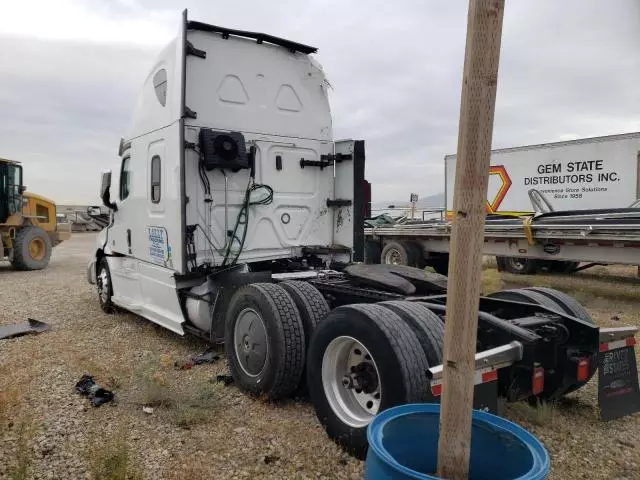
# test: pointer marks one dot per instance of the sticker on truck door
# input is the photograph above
(158, 246)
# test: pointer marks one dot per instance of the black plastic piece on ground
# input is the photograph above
(97, 395)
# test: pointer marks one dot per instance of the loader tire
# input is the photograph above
(426, 326)
(372, 343)
(31, 249)
(264, 340)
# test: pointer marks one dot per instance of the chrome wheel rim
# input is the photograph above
(351, 381)
(393, 257)
(518, 263)
(103, 285)
(250, 340)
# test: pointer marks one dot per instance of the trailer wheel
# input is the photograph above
(31, 248)
(517, 265)
(104, 286)
(401, 253)
(264, 340)
(426, 325)
(362, 360)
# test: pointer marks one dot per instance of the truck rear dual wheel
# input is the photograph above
(365, 358)
(517, 265)
(265, 340)
(31, 248)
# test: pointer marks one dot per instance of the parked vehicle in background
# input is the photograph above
(29, 227)
(589, 173)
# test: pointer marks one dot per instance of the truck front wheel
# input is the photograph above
(104, 286)
(362, 360)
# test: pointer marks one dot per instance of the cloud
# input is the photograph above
(70, 70)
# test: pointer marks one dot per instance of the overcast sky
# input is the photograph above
(70, 70)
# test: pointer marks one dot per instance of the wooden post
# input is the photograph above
(484, 31)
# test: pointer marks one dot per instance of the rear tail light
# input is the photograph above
(537, 380)
(582, 373)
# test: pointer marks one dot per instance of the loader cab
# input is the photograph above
(11, 189)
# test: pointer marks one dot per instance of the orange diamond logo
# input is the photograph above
(504, 185)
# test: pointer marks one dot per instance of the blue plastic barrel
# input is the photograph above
(403, 444)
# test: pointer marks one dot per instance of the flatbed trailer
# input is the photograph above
(556, 240)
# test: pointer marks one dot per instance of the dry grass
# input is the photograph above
(541, 414)
(186, 405)
(22, 462)
(114, 459)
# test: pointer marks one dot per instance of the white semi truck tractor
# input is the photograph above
(237, 217)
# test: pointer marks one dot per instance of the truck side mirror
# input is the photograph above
(23, 188)
(105, 191)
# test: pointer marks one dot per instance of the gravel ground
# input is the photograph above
(48, 431)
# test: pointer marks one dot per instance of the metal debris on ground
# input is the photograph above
(30, 327)
(97, 395)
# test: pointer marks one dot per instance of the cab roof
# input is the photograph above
(11, 162)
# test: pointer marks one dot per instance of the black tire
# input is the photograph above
(372, 252)
(398, 356)
(518, 266)
(283, 335)
(312, 306)
(527, 296)
(426, 325)
(568, 304)
(104, 286)
(405, 253)
(23, 257)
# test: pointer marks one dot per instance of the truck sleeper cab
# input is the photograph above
(238, 218)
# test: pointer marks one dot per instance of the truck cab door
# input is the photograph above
(124, 265)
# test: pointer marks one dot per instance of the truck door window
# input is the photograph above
(14, 183)
(156, 174)
(125, 178)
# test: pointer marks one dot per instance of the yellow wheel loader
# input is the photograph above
(28, 226)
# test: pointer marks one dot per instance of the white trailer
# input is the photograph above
(590, 173)
(238, 218)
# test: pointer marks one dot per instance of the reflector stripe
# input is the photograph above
(485, 375)
(626, 342)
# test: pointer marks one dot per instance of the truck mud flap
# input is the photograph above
(618, 390)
